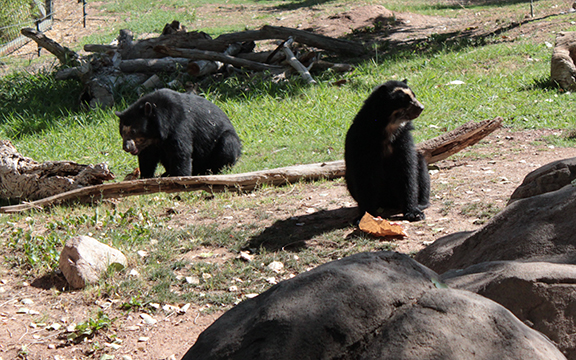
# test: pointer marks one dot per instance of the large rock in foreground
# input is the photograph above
(550, 177)
(84, 259)
(369, 306)
(540, 293)
(538, 228)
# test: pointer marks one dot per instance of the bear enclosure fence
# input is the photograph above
(17, 14)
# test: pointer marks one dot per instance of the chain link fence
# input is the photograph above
(18, 14)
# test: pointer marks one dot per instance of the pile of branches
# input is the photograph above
(176, 50)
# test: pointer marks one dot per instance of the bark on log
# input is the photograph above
(167, 64)
(194, 54)
(22, 178)
(445, 145)
(268, 32)
(98, 48)
(291, 59)
(433, 150)
(145, 49)
(213, 183)
(65, 55)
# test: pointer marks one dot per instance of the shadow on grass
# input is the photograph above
(34, 102)
(293, 233)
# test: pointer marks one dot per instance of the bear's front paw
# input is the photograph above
(415, 215)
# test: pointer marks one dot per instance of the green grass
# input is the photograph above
(280, 124)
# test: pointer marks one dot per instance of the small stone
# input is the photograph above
(143, 339)
(27, 301)
(142, 253)
(193, 280)
(148, 319)
(134, 272)
(113, 346)
(233, 288)
(22, 310)
(184, 308)
(276, 266)
(54, 326)
(154, 305)
(206, 276)
(245, 255)
(51, 346)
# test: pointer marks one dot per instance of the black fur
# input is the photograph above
(186, 133)
(384, 172)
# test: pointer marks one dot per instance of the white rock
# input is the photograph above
(148, 319)
(276, 266)
(84, 259)
(27, 301)
(184, 308)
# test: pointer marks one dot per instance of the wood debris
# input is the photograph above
(177, 51)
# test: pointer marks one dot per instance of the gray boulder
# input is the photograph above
(550, 177)
(538, 228)
(369, 306)
(538, 293)
(83, 260)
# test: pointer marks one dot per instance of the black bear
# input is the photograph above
(186, 133)
(384, 172)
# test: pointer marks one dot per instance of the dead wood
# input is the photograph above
(445, 145)
(98, 48)
(194, 54)
(212, 183)
(65, 55)
(22, 178)
(167, 64)
(268, 32)
(291, 59)
(145, 49)
(433, 150)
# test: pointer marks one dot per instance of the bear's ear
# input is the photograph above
(148, 109)
(405, 81)
(118, 113)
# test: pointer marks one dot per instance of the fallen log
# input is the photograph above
(167, 64)
(291, 59)
(445, 145)
(65, 55)
(268, 32)
(433, 150)
(194, 54)
(212, 183)
(24, 178)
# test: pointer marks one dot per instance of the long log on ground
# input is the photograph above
(167, 64)
(65, 55)
(194, 54)
(213, 183)
(434, 150)
(268, 32)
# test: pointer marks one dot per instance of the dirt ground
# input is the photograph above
(485, 174)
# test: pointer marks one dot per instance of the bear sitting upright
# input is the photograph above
(186, 133)
(384, 172)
